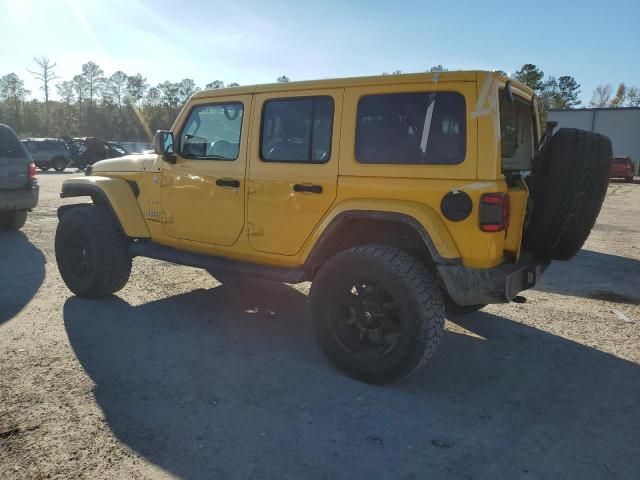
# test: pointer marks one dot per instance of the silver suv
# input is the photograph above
(48, 153)
(18, 185)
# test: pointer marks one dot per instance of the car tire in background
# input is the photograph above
(59, 164)
(43, 168)
(92, 252)
(13, 220)
(570, 182)
(377, 312)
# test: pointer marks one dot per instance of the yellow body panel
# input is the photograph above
(280, 218)
(193, 206)
(122, 200)
(265, 221)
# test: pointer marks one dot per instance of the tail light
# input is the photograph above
(32, 173)
(494, 212)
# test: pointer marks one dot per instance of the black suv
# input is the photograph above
(48, 153)
(86, 151)
(18, 185)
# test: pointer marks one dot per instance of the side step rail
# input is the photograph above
(146, 248)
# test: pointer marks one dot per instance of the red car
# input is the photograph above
(622, 167)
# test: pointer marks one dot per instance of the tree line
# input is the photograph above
(118, 106)
(562, 92)
(126, 107)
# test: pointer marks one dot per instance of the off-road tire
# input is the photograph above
(570, 183)
(59, 164)
(12, 220)
(108, 246)
(410, 284)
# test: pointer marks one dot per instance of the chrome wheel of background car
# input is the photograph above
(365, 321)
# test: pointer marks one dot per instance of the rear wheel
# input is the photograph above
(92, 253)
(59, 164)
(377, 312)
(13, 220)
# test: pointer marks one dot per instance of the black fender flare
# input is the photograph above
(314, 258)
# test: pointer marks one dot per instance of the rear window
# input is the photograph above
(10, 146)
(411, 128)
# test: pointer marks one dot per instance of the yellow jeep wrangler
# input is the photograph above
(394, 195)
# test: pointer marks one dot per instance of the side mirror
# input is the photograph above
(163, 145)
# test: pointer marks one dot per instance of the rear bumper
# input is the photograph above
(473, 286)
(19, 199)
(626, 173)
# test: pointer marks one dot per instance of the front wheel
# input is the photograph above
(377, 312)
(59, 164)
(92, 252)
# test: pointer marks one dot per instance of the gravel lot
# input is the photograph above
(179, 376)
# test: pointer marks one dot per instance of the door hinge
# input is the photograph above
(253, 187)
(166, 218)
(255, 230)
(166, 180)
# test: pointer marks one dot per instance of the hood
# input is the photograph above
(128, 163)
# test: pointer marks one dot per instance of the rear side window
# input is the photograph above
(10, 145)
(411, 128)
(297, 130)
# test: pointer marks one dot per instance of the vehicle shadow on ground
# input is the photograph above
(228, 383)
(595, 275)
(22, 271)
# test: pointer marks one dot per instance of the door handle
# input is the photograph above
(228, 182)
(301, 187)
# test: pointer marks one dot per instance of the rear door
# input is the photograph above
(14, 161)
(293, 166)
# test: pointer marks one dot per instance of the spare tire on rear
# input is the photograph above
(569, 184)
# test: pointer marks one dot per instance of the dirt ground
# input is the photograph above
(179, 376)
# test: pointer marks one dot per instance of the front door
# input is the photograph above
(293, 169)
(203, 192)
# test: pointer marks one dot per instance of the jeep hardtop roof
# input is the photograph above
(430, 77)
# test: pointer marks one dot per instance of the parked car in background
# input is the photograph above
(18, 184)
(48, 153)
(86, 151)
(622, 167)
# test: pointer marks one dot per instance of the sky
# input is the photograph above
(257, 41)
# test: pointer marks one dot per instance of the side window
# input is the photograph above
(411, 128)
(212, 132)
(516, 133)
(297, 130)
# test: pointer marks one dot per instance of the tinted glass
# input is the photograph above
(212, 132)
(10, 145)
(297, 130)
(411, 128)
